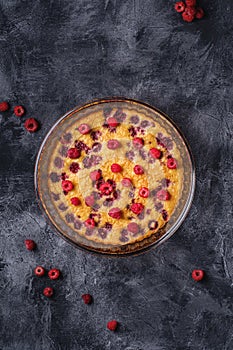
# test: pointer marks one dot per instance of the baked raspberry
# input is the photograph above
(74, 167)
(30, 244)
(95, 175)
(84, 129)
(112, 325)
(112, 122)
(75, 201)
(54, 274)
(137, 208)
(31, 125)
(106, 188)
(48, 292)
(90, 200)
(191, 3)
(179, 6)
(155, 153)
(67, 185)
(19, 111)
(4, 106)
(163, 195)
(138, 169)
(90, 223)
(39, 271)
(115, 213)
(198, 275)
(138, 142)
(133, 227)
(116, 168)
(126, 182)
(189, 14)
(199, 13)
(87, 298)
(113, 144)
(171, 163)
(144, 192)
(73, 153)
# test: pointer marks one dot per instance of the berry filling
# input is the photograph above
(171, 163)
(116, 168)
(112, 122)
(90, 223)
(73, 153)
(137, 208)
(138, 170)
(163, 195)
(84, 129)
(74, 167)
(138, 142)
(113, 144)
(115, 213)
(126, 182)
(90, 200)
(75, 201)
(144, 192)
(95, 175)
(106, 188)
(155, 153)
(67, 185)
(133, 227)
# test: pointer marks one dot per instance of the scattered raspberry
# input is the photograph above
(163, 195)
(19, 111)
(137, 208)
(73, 153)
(112, 325)
(138, 142)
(198, 275)
(126, 182)
(113, 144)
(106, 188)
(115, 213)
(144, 192)
(39, 271)
(112, 122)
(30, 244)
(179, 6)
(4, 106)
(138, 169)
(75, 201)
(116, 168)
(189, 14)
(90, 200)
(191, 3)
(74, 167)
(84, 129)
(54, 274)
(90, 223)
(171, 163)
(48, 292)
(67, 185)
(155, 153)
(95, 175)
(133, 227)
(87, 298)
(31, 125)
(199, 13)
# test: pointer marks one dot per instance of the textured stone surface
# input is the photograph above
(57, 54)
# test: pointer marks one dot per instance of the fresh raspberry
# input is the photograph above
(155, 153)
(171, 163)
(163, 195)
(4, 106)
(95, 175)
(199, 13)
(30, 244)
(84, 129)
(39, 271)
(19, 111)
(112, 122)
(87, 298)
(112, 325)
(90, 223)
(189, 14)
(179, 6)
(106, 188)
(137, 208)
(115, 213)
(191, 3)
(75, 201)
(48, 292)
(54, 274)
(198, 275)
(113, 144)
(144, 192)
(138, 142)
(90, 200)
(133, 227)
(73, 153)
(67, 185)
(126, 182)
(31, 125)
(138, 169)
(116, 168)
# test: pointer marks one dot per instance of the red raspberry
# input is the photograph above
(4, 106)
(126, 182)
(144, 192)
(116, 168)
(95, 175)
(75, 201)
(112, 325)
(30, 244)
(179, 6)
(137, 208)
(112, 122)
(54, 274)
(155, 153)
(113, 144)
(163, 195)
(90, 223)
(39, 271)
(87, 298)
(199, 13)
(31, 125)
(73, 153)
(90, 200)
(74, 167)
(133, 227)
(198, 275)
(19, 111)
(67, 185)
(48, 292)
(171, 163)
(115, 213)
(191, 3)
(189, 14)
(84, 129)
(138, 169)
(106, 188)
(138, 142)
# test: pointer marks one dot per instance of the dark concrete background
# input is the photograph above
(56, 54)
